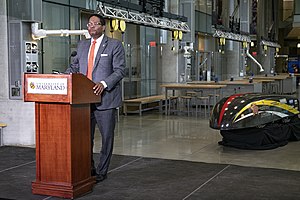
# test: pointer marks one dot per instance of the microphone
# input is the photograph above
(74, 53)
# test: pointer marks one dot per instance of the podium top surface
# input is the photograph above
(62, 88)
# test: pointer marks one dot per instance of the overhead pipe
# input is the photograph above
(201, 64)
(199, 67)
(250, 56)
(41, 33)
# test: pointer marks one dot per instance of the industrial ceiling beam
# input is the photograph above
(231, 36)
(142, 18)
(270, 44)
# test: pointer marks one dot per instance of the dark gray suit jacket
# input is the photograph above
(109, 66)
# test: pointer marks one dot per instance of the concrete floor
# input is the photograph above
(155, 135)
(189, 138)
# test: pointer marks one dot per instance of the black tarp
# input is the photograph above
(270, 136)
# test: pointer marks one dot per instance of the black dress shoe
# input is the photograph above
(100, 178)
(93, 172)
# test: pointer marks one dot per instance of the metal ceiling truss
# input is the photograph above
(232, 36)
(142, 18)
(242, 38)
(270, 44)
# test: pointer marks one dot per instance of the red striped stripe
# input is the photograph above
(225, 105)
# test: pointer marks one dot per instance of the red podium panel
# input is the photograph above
(63, 143)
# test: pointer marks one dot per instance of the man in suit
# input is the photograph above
(102, 59)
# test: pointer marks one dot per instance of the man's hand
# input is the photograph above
(98, 88)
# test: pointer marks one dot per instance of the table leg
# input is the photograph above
(215, 97)
(166, 101)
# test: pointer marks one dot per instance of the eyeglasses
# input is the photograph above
(90, 24)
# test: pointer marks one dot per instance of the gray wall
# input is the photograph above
(18, 116)
(4, 52)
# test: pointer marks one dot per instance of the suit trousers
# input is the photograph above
(105, 120)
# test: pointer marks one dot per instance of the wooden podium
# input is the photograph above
(63, 143)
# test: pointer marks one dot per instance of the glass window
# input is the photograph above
(141, 61)
(202, 22)
(204, 6)
(209, 7)
(149, 60)
(74, 25)
(59, 1)
(200, 5)
(134, 1)
(55, 48)
(79, 3)
(288, 8)
(297, 7)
